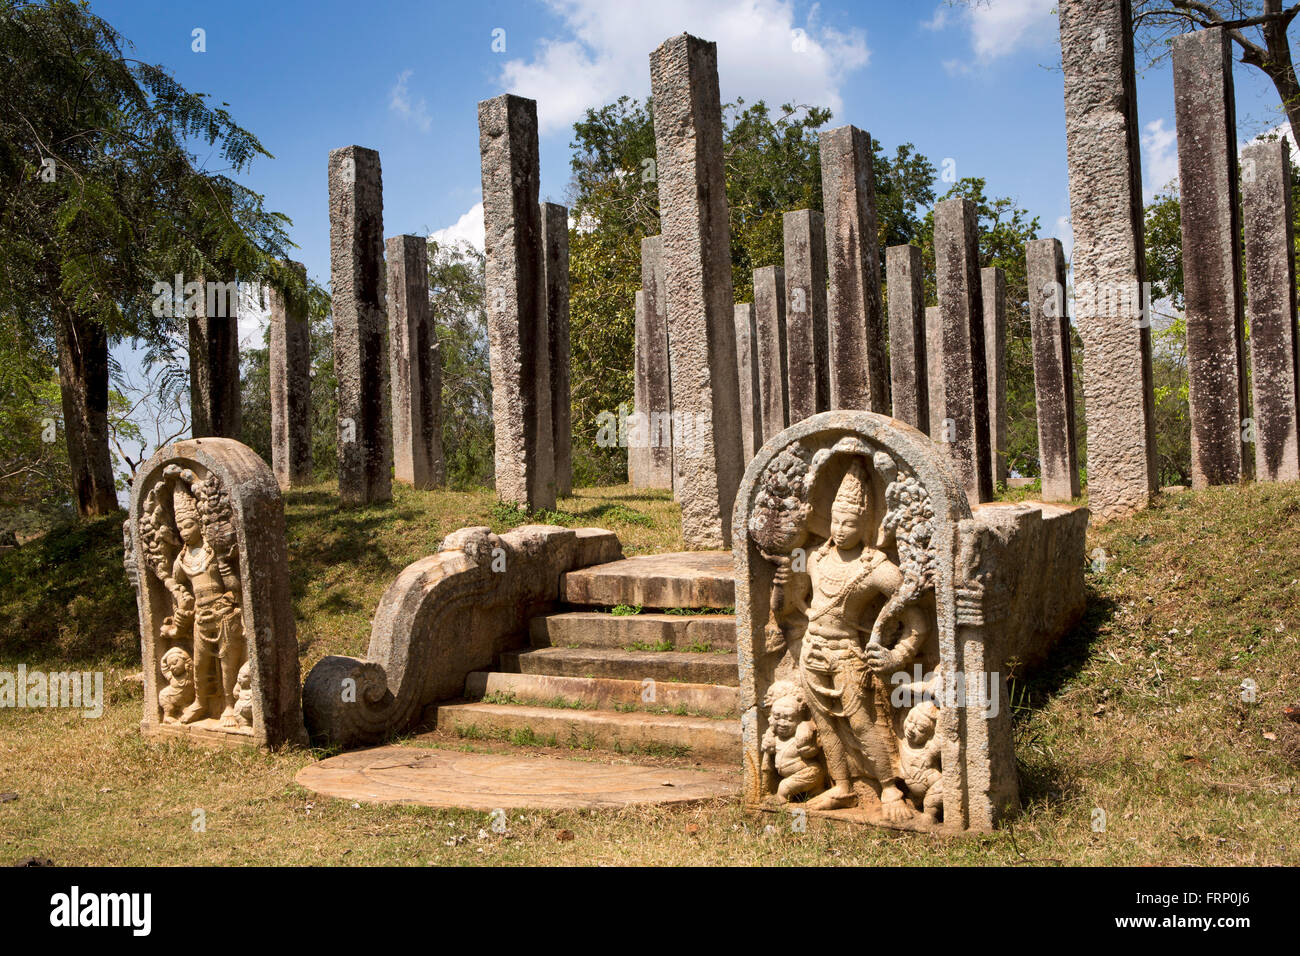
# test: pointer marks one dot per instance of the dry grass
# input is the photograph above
(1145, 724)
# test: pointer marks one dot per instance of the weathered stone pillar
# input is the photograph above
(1207, 176)
(769, 329)
(993, 287)
(965, 375)
(751, 410)
(360, 357)
(291, 410)
(555, 284)
(859, 376)
(518, 341)
(214, 362)
(1049, 324)
(653, 385)
(1270, 282)
(415, 367)
(697, 274)
(808, 388)
(908, 374)
(1102, 136)
(934, 371)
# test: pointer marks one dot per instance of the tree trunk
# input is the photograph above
(83, 381)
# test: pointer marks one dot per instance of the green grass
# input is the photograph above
(1139, 713)
(625, 610)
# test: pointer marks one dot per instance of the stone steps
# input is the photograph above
(685, 579)
(624, 732)
(685, 666)
(598, 629)
(605, 693)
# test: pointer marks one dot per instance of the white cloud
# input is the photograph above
(467, 229)
(1284, 131)
(1000, 27)
(939, 20)
(1160, 157)
(1065, 232)
(399, 102)
(603, 52)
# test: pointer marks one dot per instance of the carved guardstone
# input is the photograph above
(875, 615)
(217, 640)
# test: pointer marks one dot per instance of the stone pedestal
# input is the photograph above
(1207, 177)
(1049, 325)
(697, 272)
(908, 372)
(751, 409)
(214, 362)
(934, 373)
(769, 332)
(291, 411)
(555, 285)
(858, 365)
(1270, 281)
(965, 375)
(651, 466)
(808, 388)
(993, 286)
(1102, 137)
(518, 339)
(415, 368)
(360, 353)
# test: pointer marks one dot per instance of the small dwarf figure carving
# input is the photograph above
(244, 697)
(178, 668)
(791, 742)
(919, 756)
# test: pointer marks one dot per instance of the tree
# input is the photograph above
(103, 198)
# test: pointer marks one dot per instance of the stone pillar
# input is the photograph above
(751, 411)
(414, 364)
(1049, 325)
(908, 374)
(808, 387)
(697, 275)
(555, 294)
(965, 375)
(769, 337)
(1207, 176)
(934, 371)
(214, 362)
(993, 287)
(858, 372)
(1102, 137)
(518, 342)
(291, 410)
(653, 396)
(360, 357)
(1270, 281)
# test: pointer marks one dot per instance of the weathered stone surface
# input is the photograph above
(858, 371)
(601, 629)
(965, 374)
(1102, 142)
(652, 399)
(214, 362)
(1049, 324)
(1270, 282)
(693, 579)
(1207, 176)
(908, 371)
(291, 412)
(769, 338)
(875, 616)
(555, 295)
(934, 371)
(697, 273)
(993, 288)
(360, 354)
(808, 388)
(415, 366)
(217, 637)
(606, 693)
(751, 408)
(518, 339)
(487, 782)
(446, 616)
(619, 663)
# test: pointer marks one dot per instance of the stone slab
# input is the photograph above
(1049, 324)
(693, 667)
(695, 579)
(908, 372)
(599, 629)
(808, 358)
(770, 342)
(486, 782)
(751, 408)
(606, 692)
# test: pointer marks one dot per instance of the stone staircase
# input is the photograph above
(661, 681)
